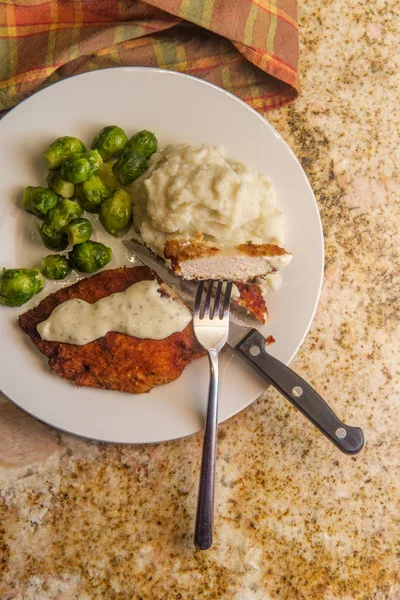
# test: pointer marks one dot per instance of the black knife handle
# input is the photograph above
(251, 348)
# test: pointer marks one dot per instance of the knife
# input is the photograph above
(249, 344)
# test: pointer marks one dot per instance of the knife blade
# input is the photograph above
(249, 344)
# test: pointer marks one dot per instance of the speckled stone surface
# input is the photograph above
(295, 519)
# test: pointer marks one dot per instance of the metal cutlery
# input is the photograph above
(249, 344)
(210, 326)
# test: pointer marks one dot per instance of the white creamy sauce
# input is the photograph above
(273, 281)
(139, 311)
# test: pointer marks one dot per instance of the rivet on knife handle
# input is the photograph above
(252, 349)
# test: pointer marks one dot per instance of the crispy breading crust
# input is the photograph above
(261, 249)
(179, 250)
(252, 300)
(115, 361)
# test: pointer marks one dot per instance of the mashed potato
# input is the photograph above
(189, 190)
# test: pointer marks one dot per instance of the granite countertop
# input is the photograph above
(295, 519)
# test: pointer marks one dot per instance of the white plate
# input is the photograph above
(178, 108)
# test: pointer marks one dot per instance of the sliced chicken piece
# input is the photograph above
(196, 259)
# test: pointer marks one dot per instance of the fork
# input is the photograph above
(211, 327)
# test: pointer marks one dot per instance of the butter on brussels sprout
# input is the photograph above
(110, 141)
(39, 200)
(129, 166)
(55, 266)
(17, 286)
(144, 142)
(90, 256)
(61, 149)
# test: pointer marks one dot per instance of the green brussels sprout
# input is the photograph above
(53, 231)
(17, 286)
(116, 211)
(91, 193)
(81, 166)
(61, 149)
(144, 142)
(89, 256)
(110, 141)
(54, 240)
(129, 166)
(76, 168)
(107, 176)
(94, 157)
(39, 200)
(66, 211)
(55, 266)
(59, 185)
(78, 231)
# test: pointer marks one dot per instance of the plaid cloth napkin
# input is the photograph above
(249, 47)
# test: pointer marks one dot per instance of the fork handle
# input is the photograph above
(251, 348)
(203, 536)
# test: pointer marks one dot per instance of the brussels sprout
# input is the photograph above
(76, 168)
(94, 157)
(116, 211)
(39, 200)
(66, 211)
(53, 229)
(89, 256)
(110, 141)
(107, 176)
(61, 149)
(81, 166)
(130, 166)
(144, 142)
(59, 185)
(78, 231)
(55, 266)
(91, 193)
(17, 286)
(54, 240)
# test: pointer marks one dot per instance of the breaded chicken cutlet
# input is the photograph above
(115, 361)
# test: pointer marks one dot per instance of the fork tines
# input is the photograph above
(209, 301)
